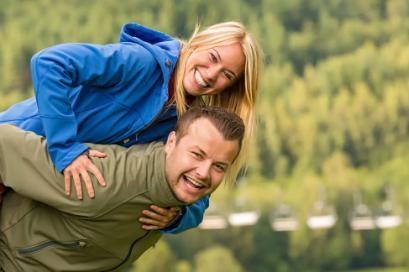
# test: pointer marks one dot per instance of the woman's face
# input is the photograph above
(210, 71)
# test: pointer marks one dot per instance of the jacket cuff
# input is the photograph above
(66, 159)
(175, 222)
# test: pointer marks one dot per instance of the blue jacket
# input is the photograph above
(114, 93)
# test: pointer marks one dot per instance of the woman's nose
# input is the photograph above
(212, 73)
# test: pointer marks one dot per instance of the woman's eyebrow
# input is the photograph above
(220, 59)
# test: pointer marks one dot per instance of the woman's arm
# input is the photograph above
(59, 70)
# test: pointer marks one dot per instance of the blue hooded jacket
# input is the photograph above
(105, 94)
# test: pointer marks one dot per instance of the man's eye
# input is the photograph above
(197, 155)
(220, 168)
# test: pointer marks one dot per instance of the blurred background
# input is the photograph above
(326, 187)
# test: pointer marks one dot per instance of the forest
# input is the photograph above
(332, 133)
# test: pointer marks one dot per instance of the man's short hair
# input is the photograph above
(229, 124)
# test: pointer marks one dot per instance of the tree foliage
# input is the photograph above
(333, 113)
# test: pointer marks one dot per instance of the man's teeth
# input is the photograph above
(196, 183)
(200, 80)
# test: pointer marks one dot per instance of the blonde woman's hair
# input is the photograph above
(239, 98)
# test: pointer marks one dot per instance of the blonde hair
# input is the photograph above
(239, 98)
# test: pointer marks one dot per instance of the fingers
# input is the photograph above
(169, 212)
(150, 224)
(157, 217)
(95, 171)
(77, 185)
(97, 154)
(159, 210)
(88, 184)
(67, 182)
(77, 170)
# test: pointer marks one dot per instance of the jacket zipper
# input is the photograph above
(37, 248)
(129, 253)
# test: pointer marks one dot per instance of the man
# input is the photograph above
(44, 230)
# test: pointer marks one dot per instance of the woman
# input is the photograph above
(131, 92)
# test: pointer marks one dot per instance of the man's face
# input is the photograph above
(197, 163)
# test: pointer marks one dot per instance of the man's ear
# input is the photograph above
(171, 141)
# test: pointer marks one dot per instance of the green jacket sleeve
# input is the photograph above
(26, 167)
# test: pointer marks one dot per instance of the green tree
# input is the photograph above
(218, 259)
(159, 258)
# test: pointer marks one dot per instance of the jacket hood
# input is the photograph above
(164, 47)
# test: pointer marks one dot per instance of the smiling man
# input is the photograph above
(198, 156)
(41, 229)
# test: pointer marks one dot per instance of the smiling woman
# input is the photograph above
(210, 71)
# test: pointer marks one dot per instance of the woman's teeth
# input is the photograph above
(200, 80)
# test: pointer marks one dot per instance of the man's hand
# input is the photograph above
(81, 166)
(158, 218)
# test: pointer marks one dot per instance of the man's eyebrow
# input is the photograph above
(203, 153)
(220, 59)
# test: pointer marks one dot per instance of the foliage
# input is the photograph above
(333, 114)
(217, 259)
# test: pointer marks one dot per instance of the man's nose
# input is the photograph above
(203, 170)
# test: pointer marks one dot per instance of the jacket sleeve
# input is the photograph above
(26, 168)
(58, 71)
(191, 217)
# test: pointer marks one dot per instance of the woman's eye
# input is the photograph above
(213, 57)
(228, 76)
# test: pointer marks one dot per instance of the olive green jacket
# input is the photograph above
(42, 229)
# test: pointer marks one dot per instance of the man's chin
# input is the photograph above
(187, 194)
(187, 199)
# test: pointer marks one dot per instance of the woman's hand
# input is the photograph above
(81, 166)
(158, 218)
